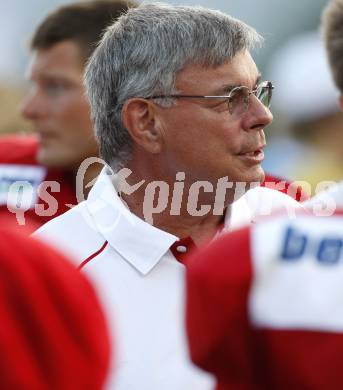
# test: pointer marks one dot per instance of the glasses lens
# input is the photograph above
(239, 100)
(264, 93)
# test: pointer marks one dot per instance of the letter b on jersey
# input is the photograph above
(294, 245)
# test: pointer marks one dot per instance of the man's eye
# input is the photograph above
(235, 96)
(221, 104)
(53, 88)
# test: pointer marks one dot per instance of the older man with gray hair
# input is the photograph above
(179, 110)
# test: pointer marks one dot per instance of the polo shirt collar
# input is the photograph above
(138, 242)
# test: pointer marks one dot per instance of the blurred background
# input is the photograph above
(305, 138)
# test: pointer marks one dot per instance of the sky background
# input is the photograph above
(276, 20)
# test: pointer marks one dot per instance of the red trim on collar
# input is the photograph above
(188, 244)
(182, 248)
(91, 257)
(338, 212)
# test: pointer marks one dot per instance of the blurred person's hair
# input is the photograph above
(332, 29)
(140, 55)
(83, 23)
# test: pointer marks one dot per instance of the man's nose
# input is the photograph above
(33, 106)
(259, 116)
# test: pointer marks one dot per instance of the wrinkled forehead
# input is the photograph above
(240, 70)
(62, 58)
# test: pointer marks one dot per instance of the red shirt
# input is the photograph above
(39, 201)
(53, 333)
(290, 188)
(264, 306)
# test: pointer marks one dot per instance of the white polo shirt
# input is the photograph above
(140, 283)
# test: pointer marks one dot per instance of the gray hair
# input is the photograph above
(141, 54)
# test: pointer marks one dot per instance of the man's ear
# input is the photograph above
(340, 100)
(140, 119)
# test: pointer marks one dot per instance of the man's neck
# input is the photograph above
(200, 229)
(88, 178)
(165, 211)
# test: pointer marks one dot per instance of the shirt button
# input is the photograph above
(181, 249)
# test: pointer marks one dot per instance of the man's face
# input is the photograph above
(57, 106)
(202, 138)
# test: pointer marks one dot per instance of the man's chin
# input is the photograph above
(51, 160)
(261, 176)
(255, 177)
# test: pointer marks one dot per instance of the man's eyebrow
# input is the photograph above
(225, 89)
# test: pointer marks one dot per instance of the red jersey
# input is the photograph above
(265, 306)
(53, 332)
(290, 188)
(27, 189)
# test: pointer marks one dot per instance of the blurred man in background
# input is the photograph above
(264, 303)
(59, 111)
(306, 140)
(333, 38)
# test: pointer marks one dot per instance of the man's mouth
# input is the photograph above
(254, 153)
(45, 135)
(255, 156)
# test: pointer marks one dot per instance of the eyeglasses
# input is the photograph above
(238, 99)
